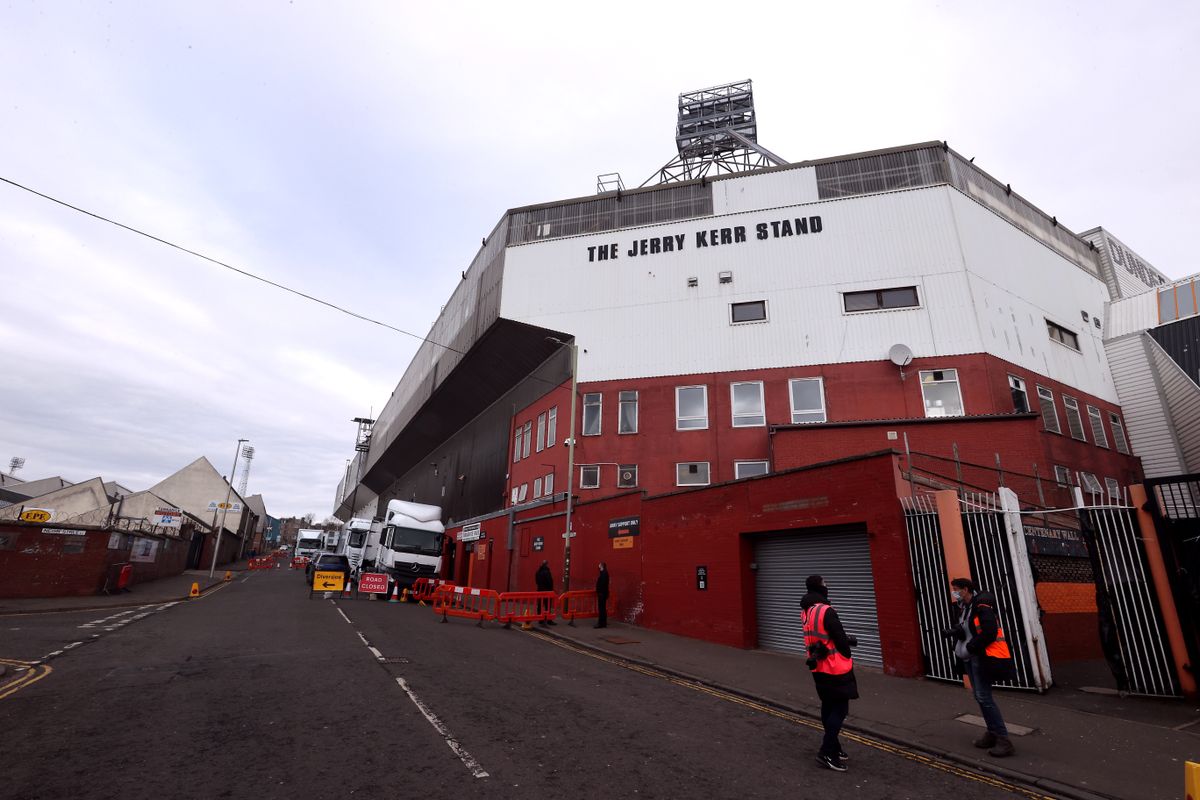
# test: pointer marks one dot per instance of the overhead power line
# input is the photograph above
(230, 267)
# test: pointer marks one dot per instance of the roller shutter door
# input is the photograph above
(844, 559)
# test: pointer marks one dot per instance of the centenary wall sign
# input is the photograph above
(710, 237)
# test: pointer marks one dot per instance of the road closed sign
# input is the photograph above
(373, 583)
(328, 581)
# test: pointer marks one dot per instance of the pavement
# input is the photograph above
(162, 590)
(1081, 745)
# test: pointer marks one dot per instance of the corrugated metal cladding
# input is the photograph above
(1183, 403)
(1132, 274)
(1132, 314)
(1143, 406)
(764, 190)
(843, 558)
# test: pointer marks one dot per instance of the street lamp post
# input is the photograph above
(217, 549)
(568, 534)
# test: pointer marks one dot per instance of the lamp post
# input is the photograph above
(568, 534)
(229, 489)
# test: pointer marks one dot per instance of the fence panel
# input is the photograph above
(932, 585)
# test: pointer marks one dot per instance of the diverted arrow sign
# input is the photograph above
(328, 581)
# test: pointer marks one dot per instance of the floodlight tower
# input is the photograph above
(716, 133)
(14, 464)
(248, 455)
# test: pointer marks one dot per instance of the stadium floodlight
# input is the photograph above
(716, 132)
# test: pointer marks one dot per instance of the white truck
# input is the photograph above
(362, 543)
(308, 543)
(412, 544)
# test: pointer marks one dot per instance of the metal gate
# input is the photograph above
(931, 584)
(844, 559)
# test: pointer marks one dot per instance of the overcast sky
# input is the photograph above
(359, 152)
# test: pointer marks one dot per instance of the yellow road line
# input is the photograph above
(886, 747)
(15, 662)
(35, 675)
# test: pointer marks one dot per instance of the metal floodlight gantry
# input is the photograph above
(716, 133)
(363, 443)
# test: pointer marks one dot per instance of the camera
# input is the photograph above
(954, 633)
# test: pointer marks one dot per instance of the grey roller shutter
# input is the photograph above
(844, 559)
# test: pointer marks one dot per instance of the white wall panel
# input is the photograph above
(1143, 406)
(1016, 285)
(1133, 314)
(636, 316)
(770, 190)
(1130, 273)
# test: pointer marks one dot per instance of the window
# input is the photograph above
(1074, 421)
(1061, 335)
(748, 469)
(73, 544)
(1114, 490)
(881, 299)
(552, 427)
(1049, 411)
(516, 493)
(537, 488)
(524, 492)
(747, 401)
(589, 477)
(1020, 396)
(528, 440)
(808, 399)
(627, 419)
(694, 473)
(517, 437)
(1062, 475)
(548, 484)
(1090, 484)
(939, 387)
(1118, 434)
(1097, 427)
(691, 407)
(627, 476)
(541, 432)
(591, 414)
(748, 312)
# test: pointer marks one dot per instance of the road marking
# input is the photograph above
(343, 613)
(886, 747)
(466, 758)
(35, 674)
(16, 662)
(95, 622)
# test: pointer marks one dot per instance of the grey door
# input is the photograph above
(844, 559)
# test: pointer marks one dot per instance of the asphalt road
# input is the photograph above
(256, 691)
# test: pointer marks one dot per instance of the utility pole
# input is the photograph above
(229, 489)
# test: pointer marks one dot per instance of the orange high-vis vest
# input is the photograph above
(998, 648)
(814, 631)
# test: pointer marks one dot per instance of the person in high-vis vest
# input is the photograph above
(981, 647)
(832, 668)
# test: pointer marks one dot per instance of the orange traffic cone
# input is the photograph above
(228, 575)
(195, 592)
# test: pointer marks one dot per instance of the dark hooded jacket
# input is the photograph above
(832, 687)
(602, 584)
(983, 608)
(544, 579)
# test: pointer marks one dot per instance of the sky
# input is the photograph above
(359, 152)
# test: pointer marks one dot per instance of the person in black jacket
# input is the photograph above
(545, 583)
(835, 689)
(981, 647)
(602, 596)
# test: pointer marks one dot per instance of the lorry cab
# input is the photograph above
(308, 543)
(413, 542)
(362, 543)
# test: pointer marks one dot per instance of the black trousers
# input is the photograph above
(602, 602)
(833, 716)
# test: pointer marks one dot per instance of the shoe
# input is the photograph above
(842, 755)
(831, 762)
(599, 626)
(987, 740)
(551, 622)
(1003, 749)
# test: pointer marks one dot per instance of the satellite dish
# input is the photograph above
(901, 355)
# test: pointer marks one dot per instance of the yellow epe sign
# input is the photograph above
(35, 515)
(328, 581)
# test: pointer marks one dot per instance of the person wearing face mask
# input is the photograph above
(981, 647)
(832, 668)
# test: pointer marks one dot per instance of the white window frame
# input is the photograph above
(1091, 484)
(518, 437)
(585, 469)
(1059, 333)
(528, 439)
(551, 426)
(762, 406)
(1121, 440)
(707, 471)
(1070, 404)
(765, 317)
(678, 419)
(622, 399)
(1047, 396)
(795, 411)
(1016, 384)
(737, 468)
(957, 385)
(541, 432)
(548, 485)
(1097, 422)
(1113, 486)
(880, 308)
(1062, 476)
(599, 406)
(516, 492)
(621, 470)
(537, 488)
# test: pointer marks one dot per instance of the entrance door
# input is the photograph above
(844, 559)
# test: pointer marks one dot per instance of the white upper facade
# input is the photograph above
(984, 286)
